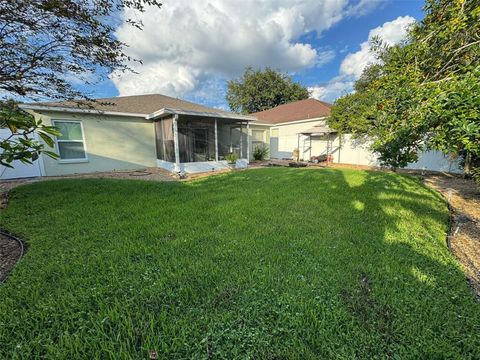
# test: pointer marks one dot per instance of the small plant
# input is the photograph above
(261, 152)
(231, 158)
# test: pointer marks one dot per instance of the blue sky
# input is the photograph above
(191, 49)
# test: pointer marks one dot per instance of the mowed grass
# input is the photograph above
(265, 264)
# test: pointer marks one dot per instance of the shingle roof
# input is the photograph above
(137, 104)
(297, 110)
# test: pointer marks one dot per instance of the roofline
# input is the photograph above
(300, 121)
(152, 116)
(73, 110)
(263, 124)
(170, 111)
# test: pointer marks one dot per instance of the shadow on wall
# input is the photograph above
(275, 152)
(96, 163)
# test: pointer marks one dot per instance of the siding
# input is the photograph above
(112, 143)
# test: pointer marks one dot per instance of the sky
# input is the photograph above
(191, 48)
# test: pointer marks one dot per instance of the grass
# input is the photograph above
(267, 263)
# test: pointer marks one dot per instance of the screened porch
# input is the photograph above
(190, 143)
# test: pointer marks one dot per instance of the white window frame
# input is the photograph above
(59, 140)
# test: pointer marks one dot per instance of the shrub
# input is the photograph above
(231, 158)
(260, 152)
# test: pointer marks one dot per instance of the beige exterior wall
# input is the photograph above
(284, 139)
(112, 143)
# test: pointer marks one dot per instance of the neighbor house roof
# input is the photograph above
(148, 106)
(294, 111)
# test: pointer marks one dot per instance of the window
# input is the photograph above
(71, 145)
(258, 137)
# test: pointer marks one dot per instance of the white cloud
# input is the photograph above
(392, 32)
(187, 46)
(335, 88)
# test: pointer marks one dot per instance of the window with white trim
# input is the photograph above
(71, 145)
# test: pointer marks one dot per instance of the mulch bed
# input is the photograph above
(10, 253)
(464, 239)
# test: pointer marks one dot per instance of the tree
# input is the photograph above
(21, 144)
(44, 46)
(259, 90)
(424, 93)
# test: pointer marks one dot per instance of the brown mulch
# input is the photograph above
(464, 239)
(10, 253)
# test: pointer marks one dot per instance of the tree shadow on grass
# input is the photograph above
(408, 292)
(270, 263)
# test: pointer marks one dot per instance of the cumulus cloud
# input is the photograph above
(187, 46)
(335, 88)
(391, 32)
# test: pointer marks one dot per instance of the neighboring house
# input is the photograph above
(301, 125)
(135, 132)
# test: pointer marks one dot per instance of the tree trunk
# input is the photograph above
(467, 168)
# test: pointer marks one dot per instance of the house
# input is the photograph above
(288, 124)
(135, 132)
(302, 125)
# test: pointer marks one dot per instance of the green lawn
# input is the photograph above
(269, 263)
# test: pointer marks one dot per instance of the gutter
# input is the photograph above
(168, 111)
(74, 110)
(157, 114)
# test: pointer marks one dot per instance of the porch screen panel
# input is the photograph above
(159, 140)
(167, 131)
(164, 140)
(196, 140)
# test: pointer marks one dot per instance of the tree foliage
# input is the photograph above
(259, 90)
(423, 93)
(46, 46)
(21, 144)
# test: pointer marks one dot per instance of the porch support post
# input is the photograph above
(241, 140)
(216, 140)
(175, 143)
(311, 147)
(248, 143)
(298, 147)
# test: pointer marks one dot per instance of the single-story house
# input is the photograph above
(133, 132)
(302, 125)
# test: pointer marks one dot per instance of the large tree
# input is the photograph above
(46, 46)
(259, 90)
(424, 93)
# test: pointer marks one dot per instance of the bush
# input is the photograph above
(231, 158)
(261, 152)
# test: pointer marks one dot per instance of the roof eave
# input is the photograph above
(157, 114)
(80, 111)
(168, 111)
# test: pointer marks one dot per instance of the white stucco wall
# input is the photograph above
(351, 151)
(282, 146)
